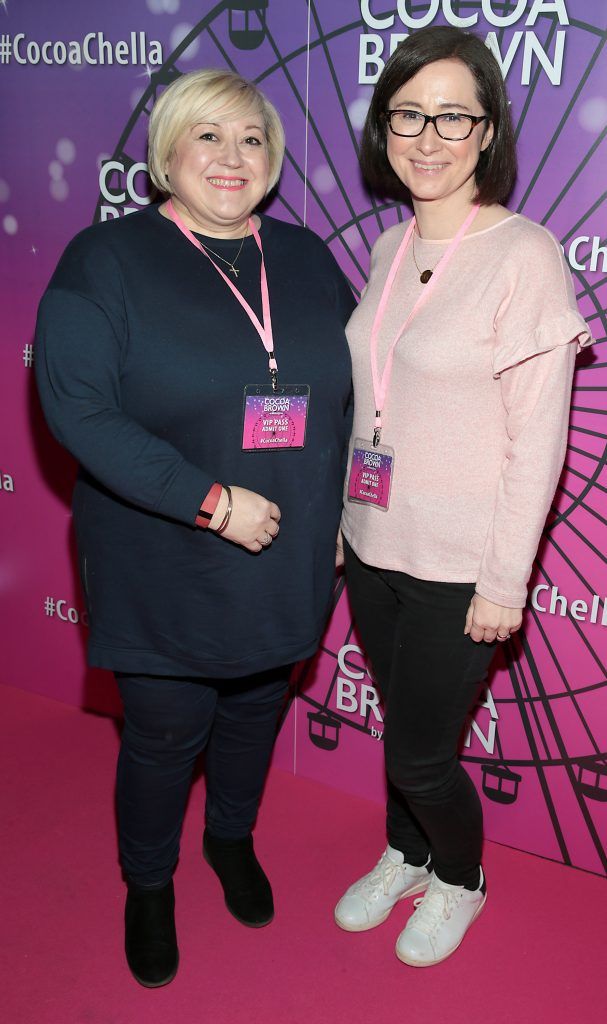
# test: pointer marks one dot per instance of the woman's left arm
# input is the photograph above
(539, 331)
(537, 395)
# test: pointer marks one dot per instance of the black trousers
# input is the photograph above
(167, 723)
(430, 676)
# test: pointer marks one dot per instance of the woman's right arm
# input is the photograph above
(78, 357)
(79, 347)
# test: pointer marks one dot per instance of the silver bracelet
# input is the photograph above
(226, 519)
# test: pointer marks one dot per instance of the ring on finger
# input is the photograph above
(268, 539)
(500, 637)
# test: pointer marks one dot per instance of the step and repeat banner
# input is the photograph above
(79, 80)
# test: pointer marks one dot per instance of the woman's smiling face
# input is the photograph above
(219, 173)
(430, 167)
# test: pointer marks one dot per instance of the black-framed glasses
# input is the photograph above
(452, 126)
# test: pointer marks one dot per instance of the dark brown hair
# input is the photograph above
(496, 169)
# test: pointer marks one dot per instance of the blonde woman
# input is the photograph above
(193, 358)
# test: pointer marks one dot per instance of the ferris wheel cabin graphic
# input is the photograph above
(550, 687)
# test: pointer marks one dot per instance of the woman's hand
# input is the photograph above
(488, 621)
(254, 520)
(339, 550)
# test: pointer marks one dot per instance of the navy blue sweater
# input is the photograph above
(142, 356)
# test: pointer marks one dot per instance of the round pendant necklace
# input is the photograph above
(231, 265)
(424, 275)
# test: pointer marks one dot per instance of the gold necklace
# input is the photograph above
(424, 275)
(231, 265)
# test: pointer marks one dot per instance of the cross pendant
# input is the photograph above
(234, 271)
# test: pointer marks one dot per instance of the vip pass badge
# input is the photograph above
(274, 417)
(372, 466)
(370, 480)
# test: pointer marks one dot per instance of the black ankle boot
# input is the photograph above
(247, 891)
(150, 940)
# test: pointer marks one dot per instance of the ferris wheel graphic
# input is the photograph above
(550, 688)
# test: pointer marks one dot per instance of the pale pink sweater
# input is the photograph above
(477, 410)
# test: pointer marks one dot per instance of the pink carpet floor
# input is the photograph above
(536, 956)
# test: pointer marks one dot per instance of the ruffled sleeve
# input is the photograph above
(538, 312)
(569, 326)
(538, 331)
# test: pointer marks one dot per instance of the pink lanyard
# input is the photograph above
(264, 330)
(381, 384)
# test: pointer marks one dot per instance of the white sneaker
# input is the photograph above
(369, 901)
(440, 922)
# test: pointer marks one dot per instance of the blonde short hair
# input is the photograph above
(209, 95)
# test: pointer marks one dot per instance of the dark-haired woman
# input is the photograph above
(463, 352)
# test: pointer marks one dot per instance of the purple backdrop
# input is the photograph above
(78, 83)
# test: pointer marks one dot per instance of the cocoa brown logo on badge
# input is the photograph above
(276, 405)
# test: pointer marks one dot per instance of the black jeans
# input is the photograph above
(167, 723)
(430, 676)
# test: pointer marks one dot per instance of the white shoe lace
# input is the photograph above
(436, 906)
(383, 874)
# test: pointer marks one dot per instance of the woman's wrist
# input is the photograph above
(221, 511)
(503, 600)
(208, 506)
